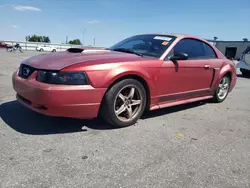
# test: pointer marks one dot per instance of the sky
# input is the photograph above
(109, 21)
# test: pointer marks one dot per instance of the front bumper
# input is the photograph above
(243, 65)
(58, 100)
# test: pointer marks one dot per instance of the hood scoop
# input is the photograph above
(75, 50)
(81, 50)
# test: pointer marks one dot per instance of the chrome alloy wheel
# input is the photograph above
(223, 88)
(128, 103)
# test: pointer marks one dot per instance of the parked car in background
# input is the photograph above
(46, 48)
(3, 45)
(143, 72)
(244, 63)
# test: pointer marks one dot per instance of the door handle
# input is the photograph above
(207, 67)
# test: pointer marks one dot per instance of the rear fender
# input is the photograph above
(225, 70)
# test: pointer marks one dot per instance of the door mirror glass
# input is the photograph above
(179, 56)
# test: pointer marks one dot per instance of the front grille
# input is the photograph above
(25, 71)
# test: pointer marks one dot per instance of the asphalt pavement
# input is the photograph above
(191, 146)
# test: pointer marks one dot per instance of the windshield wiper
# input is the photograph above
(127, 51)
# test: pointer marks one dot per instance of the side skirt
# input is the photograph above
(179, 102)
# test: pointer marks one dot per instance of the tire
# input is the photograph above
(54, 50)
(245, 73)
(41, 50)
(118, 98)
(220, 96)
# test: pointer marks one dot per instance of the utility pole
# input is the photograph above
(215, 38)
(66, 39)
(94, 41)
(84, 31)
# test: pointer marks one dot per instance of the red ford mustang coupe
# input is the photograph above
(143, 72)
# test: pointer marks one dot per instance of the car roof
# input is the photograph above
(169, 34)
(178, 35)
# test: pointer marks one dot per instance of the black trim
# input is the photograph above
(26, 101)
(185, 95)
(214, 71)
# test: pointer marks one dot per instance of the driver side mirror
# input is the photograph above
(179, 56)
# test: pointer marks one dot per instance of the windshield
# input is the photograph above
(145, 45)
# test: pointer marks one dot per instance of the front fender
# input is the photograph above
(120, 72)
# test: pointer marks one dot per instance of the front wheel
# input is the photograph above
(124, 103)
(222, 90)
(54, 50)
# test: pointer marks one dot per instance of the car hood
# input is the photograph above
(60, 60)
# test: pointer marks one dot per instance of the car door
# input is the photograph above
(247, 56)
(186, 78)
(46, 48)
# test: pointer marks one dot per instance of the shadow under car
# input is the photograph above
(27, 121)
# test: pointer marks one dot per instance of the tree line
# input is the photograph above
(46, 39)
(36, 38)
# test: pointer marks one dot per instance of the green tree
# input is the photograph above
(75, 41)
(36, 38)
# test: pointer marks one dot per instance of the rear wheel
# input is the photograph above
(54, 50)
(41, 50)
(124, 103)
(222, 90)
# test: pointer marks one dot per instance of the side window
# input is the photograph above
(247, 51)
(194, 48)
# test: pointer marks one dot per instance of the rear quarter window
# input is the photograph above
(209, 51)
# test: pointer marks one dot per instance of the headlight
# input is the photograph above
(66, 78)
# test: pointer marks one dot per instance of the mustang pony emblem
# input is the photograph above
(26, 71)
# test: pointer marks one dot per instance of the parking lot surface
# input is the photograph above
(195, 145)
